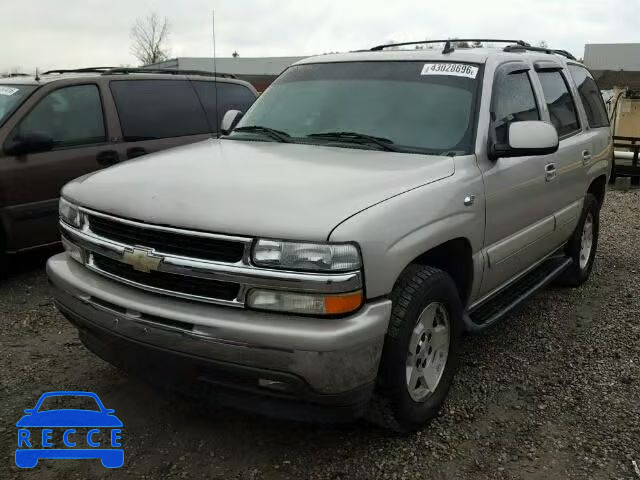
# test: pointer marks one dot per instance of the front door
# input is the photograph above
(519, 215)
(73, 118)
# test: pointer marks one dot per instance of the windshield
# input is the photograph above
(415, 106)
(11, 96)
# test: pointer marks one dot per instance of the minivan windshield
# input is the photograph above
(406, 106)
(11, 96)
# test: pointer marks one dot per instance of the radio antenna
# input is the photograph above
(215, 70)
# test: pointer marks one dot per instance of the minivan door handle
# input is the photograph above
(586, 157)
(108, 158)
(550, 172)
(134, 152)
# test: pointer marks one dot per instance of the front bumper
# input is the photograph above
(250, 358)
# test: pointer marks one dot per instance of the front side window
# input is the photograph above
(71, 116)
(514, 101)
(590, 96)
(412, 107)
(231, 96)
(11, 96)
(562, 109)
(154, 109)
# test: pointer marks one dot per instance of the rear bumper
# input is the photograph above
(276, 364)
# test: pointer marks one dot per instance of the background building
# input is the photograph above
(260, 71)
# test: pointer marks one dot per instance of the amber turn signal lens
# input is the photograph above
(337, 304)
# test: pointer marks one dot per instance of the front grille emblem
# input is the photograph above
(142, 260)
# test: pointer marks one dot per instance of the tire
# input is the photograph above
(612, 176)
(580, 269)
(4, 261)
(423, 295)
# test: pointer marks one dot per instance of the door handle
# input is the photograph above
(107, 158)
(550, 172)
(134, 152)
(586, 157)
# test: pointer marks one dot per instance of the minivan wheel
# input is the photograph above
(582, 245)
(419, 358)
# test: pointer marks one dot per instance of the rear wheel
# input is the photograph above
(583, 244)
(420, 353)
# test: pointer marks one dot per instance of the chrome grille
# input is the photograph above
(191, 286)
(203, 247)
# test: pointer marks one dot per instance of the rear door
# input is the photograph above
(30, 184)
(595, 112)
(156, 114)
(567, 172)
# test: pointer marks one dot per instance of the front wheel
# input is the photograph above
(420, 352)
(582, 245)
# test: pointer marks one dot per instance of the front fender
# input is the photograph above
(394, 233)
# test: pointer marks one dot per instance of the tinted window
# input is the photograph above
(514, 101)
(150, 109)
(561, 107)
(418, 112)
(70, 116)
(590, 95)
(231, 96)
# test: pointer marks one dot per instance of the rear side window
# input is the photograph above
(560, 103)
(514, 101)
(231, 96)
(591, 97)
(151, 109)
(70, 116)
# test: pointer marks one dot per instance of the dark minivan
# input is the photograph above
(64, 124)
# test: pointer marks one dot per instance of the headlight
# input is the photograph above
(313, 257)
(304, 303)
(69, 213)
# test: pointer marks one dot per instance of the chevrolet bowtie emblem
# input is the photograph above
(142, 260)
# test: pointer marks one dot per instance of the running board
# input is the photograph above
(500, 305)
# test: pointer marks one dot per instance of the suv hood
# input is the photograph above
(255, 188)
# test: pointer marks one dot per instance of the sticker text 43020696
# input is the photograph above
(452, 69)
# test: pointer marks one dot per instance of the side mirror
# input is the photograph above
(29, 411)
(528, 138)
(109, 411)
(24, 143)
(230, 120)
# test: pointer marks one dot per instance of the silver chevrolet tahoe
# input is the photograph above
(323, 259)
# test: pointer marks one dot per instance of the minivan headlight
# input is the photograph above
(69, 213)
(305, 256)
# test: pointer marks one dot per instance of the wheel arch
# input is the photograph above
(598, 188)
(454, 257)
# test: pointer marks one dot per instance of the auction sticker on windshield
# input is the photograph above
(7, 91)
(452, 69)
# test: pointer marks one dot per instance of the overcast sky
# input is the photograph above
(76, 33)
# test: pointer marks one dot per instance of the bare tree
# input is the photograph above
(149, 36)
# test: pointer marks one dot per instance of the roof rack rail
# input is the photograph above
(513, 48)
(78, 70)
(448, 43)
(128, 70)
(169, 71)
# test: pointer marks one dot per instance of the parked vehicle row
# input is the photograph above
(65, 124)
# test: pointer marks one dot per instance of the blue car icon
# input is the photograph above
(101, 422)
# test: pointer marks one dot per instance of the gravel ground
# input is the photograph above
(552, 392)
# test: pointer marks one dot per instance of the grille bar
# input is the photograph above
(214, 249)
(169, 282)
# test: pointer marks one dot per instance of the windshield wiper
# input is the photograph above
(381, 142)
(278, 135)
